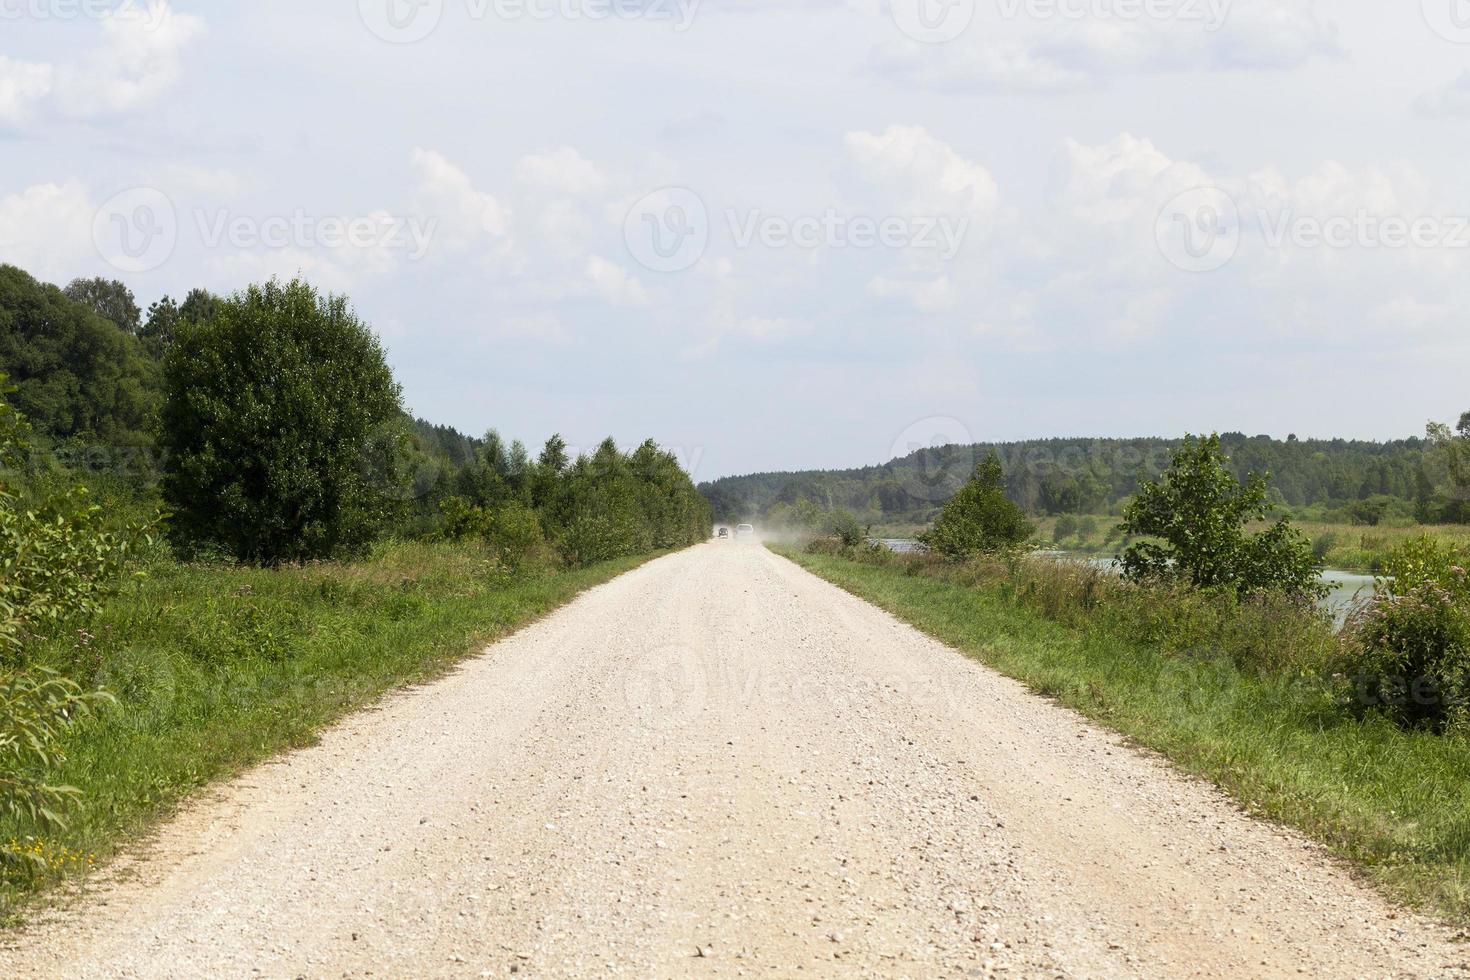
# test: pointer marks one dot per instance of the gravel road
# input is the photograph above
(719, 765)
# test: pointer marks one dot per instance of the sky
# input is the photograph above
(796, 234)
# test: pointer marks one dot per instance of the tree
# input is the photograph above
(164, 318)
(109, 299)
(980, 518)
(550, 466)
(76, 375)
(1450, 483)
(1198, 513)
(269, 407)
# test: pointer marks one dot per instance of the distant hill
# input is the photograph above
(1055, 476)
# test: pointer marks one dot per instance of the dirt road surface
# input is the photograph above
(720, 766)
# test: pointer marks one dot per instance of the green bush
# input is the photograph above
(275, 427)
(979, 519)
(514, 535)
(460, 519)
(847, 529)
(1426, 560)
(1196, 513)
(1408, 654)
(57, 565)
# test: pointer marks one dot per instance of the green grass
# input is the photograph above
(216, 669)
(1396, 804)
(1355, 548)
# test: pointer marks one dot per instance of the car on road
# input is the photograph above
(744, 531)
(723, 532)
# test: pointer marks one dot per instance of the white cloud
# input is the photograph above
(614, 284)
(140, 58)
(47, 230)
(563, 170)
(1056, 54)
(23, 86)
(922, 175)
(467, 216)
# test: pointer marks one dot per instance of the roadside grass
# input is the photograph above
(216, 668)
(1395, 804)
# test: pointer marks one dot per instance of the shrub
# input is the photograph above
(847, 529)
(57, 560)
(1408, 653)
(1426, 560)
(1197, 511)
(1066, 527)
(460, 519)
(57, 564)
(979, 519)
(270, 409)
(514, 534)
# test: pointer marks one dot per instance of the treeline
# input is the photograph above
(268, 426)
(1334, 479)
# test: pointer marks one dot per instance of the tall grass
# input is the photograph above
(215, 668)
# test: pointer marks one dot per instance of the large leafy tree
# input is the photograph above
(76, 375)
(980, 518)
(271, 407)
(1195, 516)
(109, 299)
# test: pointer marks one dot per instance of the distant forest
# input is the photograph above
(1334, 479)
